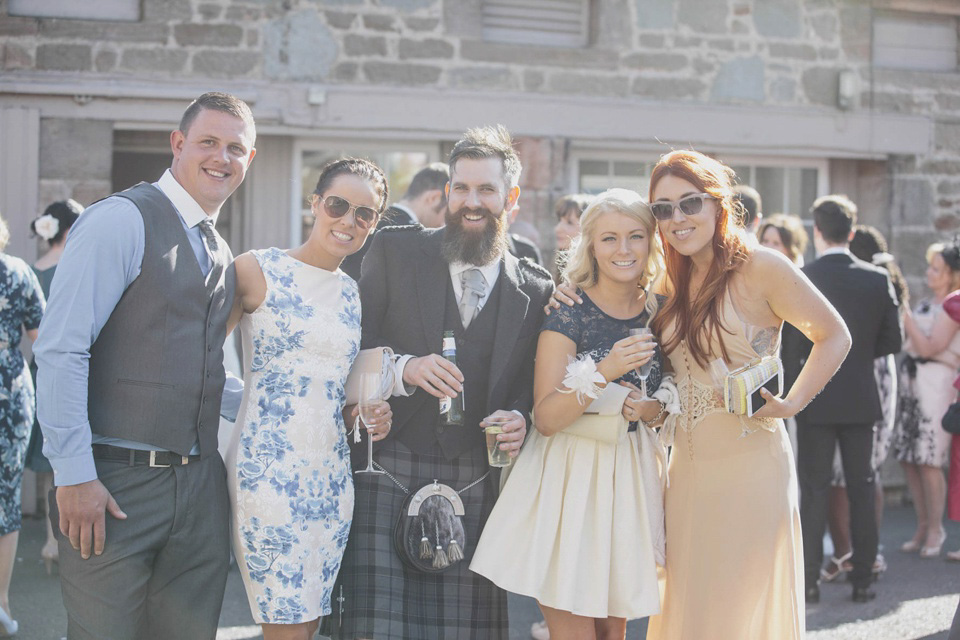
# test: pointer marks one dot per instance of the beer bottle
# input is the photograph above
(452, 408)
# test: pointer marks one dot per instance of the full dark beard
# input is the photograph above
(474, 247)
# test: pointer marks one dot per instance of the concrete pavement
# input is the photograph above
(917, 597)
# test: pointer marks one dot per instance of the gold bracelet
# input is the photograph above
(663, 408)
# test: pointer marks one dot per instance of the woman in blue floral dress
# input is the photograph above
(288, 462)
(21, 307)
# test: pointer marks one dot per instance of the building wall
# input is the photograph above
(708, 58)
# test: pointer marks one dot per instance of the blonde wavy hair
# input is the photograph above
(581, 265)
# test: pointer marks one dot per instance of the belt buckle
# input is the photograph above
(153, 461)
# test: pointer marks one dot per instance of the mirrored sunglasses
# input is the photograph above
(688, 205)
(337, 207)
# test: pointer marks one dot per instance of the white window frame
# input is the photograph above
(822, 166)
(354, 145)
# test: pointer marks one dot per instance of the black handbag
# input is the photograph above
(429, 536)
(951, 419)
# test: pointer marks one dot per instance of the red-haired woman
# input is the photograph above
(734, 566)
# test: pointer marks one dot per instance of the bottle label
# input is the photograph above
(444, 405)
(449, 347)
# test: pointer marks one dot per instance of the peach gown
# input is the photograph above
(734, 554)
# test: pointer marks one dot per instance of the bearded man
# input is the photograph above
(416, 284)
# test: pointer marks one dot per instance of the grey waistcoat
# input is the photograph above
(156, 369)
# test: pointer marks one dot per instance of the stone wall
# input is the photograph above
(778, 53)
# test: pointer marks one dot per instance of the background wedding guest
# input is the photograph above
(52, 227)
(522, 237)
(593, 573)
(417, 284)
(288, 470)
(130, 377)
(21, 307)
(869, 245)
(784, 232)
(951, 305)
(751, 207)
(919, 442)
(424, 203)
(568, 210)
(831, 418)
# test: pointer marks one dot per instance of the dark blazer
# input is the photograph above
(523, 248)
(403, 292)
(864, 297)
(392, 216)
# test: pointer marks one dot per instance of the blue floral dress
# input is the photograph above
(288, 461)
(21, 305)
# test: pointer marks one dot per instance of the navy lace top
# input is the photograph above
(595, 333)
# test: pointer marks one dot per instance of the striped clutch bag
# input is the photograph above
(741, 386)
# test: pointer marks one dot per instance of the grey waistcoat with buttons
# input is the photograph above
(156, 369)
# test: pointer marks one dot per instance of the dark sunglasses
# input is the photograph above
(688, 205)
(337, 207)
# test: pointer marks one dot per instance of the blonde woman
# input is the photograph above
(574, 509)
(926, 390)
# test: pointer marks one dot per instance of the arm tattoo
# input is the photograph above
(764, 342)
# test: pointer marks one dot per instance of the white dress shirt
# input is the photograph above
(490, 271)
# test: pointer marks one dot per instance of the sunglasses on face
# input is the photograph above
(337, 207)
(688, 205)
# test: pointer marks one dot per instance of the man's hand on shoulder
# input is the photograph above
(82, 520)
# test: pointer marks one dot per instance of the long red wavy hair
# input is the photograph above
(697, 318)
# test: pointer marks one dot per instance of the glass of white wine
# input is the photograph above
(643, 372)
(370, 399)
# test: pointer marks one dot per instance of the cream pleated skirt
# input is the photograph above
(571, 529)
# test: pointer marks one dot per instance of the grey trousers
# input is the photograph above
(164, 569)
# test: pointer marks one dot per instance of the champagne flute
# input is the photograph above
(370, 399)
(643, 372)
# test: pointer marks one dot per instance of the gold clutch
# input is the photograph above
(741, 387)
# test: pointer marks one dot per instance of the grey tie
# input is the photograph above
(213, 245)
(474, 286)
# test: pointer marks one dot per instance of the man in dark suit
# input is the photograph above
(849, 405)
(416, 284)
(424, 203)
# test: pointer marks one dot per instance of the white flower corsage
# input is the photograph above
(583, 378)
(46, 227)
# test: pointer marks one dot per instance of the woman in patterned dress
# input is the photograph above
(920, 443)
(52, 227)
(288, 461)
(21, 306)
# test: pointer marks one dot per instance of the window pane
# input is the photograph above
(770, 184)
(808, 191)
(594, 167)
(743, 174)
(630, 169)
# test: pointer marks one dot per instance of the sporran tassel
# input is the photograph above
(454, 552)
(440, 556)
(425, 551)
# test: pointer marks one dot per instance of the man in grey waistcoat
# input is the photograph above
(130, 379)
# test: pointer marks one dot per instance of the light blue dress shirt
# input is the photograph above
(103, 256)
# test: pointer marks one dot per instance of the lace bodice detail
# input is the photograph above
(700, 399)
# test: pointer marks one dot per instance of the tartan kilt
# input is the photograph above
(377, 596)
